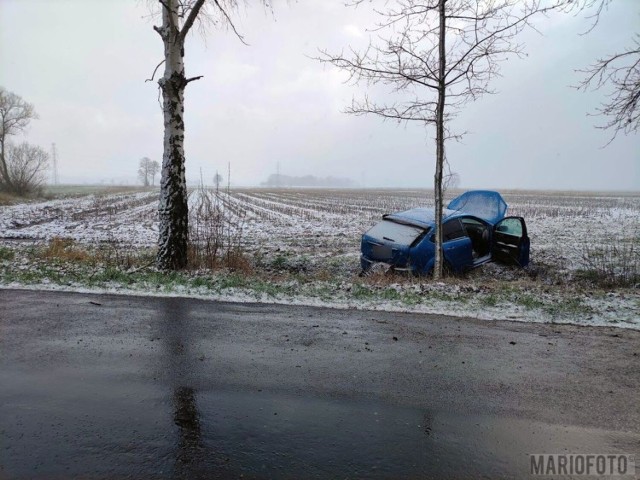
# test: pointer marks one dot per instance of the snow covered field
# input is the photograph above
(128, 218)
(314, 228)
(316, 222)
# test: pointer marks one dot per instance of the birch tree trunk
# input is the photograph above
(437, 183)
(173, 210)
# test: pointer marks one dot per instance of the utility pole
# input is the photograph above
(278, 175)
(54, 159)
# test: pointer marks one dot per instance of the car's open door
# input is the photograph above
(510, 242)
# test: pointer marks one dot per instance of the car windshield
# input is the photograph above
(395, 232)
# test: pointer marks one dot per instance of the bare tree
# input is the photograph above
(147, 171)
(178, 17)
(154, 169)
(437, 55)
(620, 74)
(15, 115)
(26, 166)
(143, 170)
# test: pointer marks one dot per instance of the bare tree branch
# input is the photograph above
(154, 72)
(193, 79)
(193, 14)
(230, 22)
(161, 32)
(620, 73)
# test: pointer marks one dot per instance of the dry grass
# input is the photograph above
(215, 234)
(111, 255)
(9, 199)
(71, 191)
(65, 249)
(237, 261)
(612, 265)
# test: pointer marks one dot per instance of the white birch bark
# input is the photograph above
(173, 210)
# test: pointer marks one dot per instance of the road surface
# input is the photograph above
(102, 386)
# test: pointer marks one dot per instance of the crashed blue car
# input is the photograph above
(474, 231)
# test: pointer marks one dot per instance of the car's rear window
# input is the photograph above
(395, 232)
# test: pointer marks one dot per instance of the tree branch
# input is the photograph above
(623, 104)
(160, 31)
(193, 79)
(154, 72)
(230, 22)
(193, 14)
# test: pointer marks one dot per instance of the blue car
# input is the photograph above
(474, 231)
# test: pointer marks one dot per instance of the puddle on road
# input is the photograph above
(75, 425)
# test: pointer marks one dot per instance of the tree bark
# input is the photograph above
(437, 183)
(173, 210)
(5, 177)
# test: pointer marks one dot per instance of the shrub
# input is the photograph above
(26, 166)
(215, 234)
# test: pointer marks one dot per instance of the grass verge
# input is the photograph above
(71, 266)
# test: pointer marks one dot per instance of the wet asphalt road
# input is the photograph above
(125, 387)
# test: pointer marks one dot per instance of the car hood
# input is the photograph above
(420, 217)
(485, 204)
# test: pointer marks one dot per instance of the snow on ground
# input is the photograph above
(612, 310)
(323, 227)
(124, 218)
(560, 224)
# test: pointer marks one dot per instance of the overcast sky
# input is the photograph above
(83, 63)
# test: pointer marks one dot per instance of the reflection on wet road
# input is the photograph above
(259, 435)
(80, 400)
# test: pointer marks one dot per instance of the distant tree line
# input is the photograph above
(277, 180)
